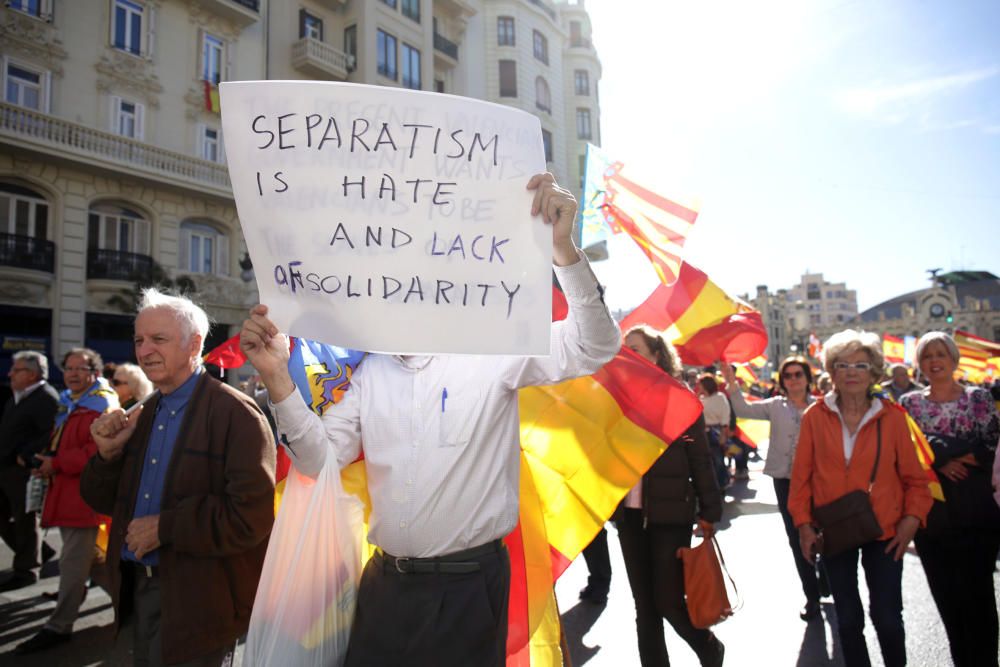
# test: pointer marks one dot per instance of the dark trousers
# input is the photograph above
(598, 563)
(18, 529)
(432, 619)
(656, 576)
(885, 591)
(807, 572)
(959, 571)
(147, 640)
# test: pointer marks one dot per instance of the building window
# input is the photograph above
(411, 9)
(209, 144)
(39, 8)
(505, 31)
(583, 124)
(126, 26)
(581, 81)
(411, 67)
(126, 118)
(582, 164)
(310, 26)
(113, 227)
(23, 212)
(203, 249)
(543, 98)
(391, 3)
(541, 47)
(24, 87)
(212, 50)
(438, 86)
(508, 78)
(576, 34)
(351, 46)
(547, 144)
(386, 47)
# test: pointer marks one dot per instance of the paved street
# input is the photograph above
(766, 630)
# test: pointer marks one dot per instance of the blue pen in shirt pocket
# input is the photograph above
(444, 397)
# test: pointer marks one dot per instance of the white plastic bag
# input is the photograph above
(305, 601)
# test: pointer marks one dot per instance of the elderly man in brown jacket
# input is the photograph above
(188, 480)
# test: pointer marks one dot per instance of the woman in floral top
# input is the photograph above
(960, 545)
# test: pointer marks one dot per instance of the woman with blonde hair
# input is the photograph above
(655, 519)
(960, 545)
(131, 385)
(853, 441)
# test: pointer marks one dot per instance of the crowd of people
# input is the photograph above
(179, 470)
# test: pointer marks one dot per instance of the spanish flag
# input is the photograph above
(584, 444)
(974, 354)
(211, 97)
(703, 322)
(893, 349)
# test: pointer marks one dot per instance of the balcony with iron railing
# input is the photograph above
(32, 130)
(105, 264)
(27, 252)
(320, 60)
(241, 12)
(445, 46)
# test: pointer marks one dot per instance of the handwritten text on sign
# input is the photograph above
(391, 220)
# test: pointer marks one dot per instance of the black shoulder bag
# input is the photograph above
(849, 521)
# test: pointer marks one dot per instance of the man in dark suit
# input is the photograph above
(24, 431)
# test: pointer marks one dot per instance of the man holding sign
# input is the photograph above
(440, 436)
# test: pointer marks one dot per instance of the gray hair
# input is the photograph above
(190, 316)
(35, 361)
(849, 341)
(938, 337)
(895, 367)
(137, 381)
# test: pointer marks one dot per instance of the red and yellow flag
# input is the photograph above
(974, 354)
(893, 349)
(584, 444)
(212, 97)
(703, 322)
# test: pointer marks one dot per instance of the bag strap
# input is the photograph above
(878, 454)
(722, 562)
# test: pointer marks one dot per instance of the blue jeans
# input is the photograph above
(885, 583)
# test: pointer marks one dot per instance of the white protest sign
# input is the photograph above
(390, 220)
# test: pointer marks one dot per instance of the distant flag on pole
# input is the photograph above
(612, 198)
(212, 97)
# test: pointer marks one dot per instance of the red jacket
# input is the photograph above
(820, 473)
(63, 505)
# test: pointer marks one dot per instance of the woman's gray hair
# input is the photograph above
(850, 341)
(137, 381)
(937, 337)
(192, 318)
(35, 361)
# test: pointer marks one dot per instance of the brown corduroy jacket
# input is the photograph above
(216, 514)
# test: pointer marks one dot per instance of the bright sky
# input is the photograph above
(854, 138)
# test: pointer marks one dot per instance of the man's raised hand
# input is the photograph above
(267, 349)
(557, 206)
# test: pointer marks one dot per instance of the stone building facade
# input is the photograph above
(112, 159)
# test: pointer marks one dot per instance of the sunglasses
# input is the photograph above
(791, 375)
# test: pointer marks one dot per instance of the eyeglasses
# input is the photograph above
(78, 369)
(791, 375)
(118, 383)
(859, 366)
(18, 370)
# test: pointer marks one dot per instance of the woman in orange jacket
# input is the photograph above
(836, 454)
